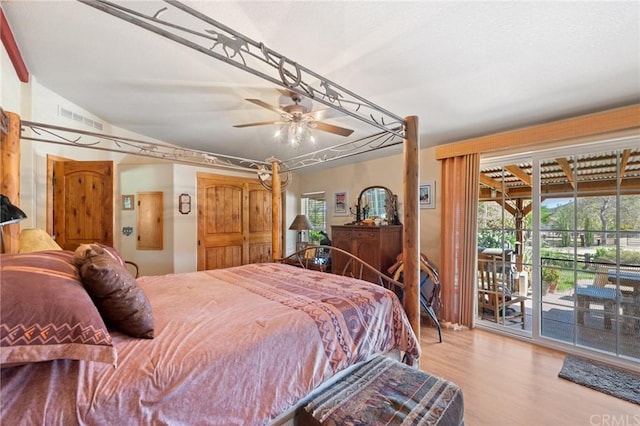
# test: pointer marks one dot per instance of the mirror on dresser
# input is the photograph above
(377, 203)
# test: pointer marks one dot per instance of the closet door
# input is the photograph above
(259, 226)
(234, 221)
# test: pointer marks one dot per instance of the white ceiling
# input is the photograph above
(464, 68)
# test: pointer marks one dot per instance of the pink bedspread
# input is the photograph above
(237, 346)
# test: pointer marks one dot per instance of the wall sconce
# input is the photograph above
(184, 203)
(8, 214)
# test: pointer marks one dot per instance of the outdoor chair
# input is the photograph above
(494, 294)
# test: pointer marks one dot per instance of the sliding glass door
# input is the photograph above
(589, 250)
(564, 226)
(505, 246)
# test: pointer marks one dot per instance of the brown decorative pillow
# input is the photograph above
(112, 252)
(88, 250)
(46, 314)
(115, 292)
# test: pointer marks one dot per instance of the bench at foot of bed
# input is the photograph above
(384, 391)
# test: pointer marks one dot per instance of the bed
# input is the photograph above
(243, 345)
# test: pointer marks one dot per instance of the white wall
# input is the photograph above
(147, 178)
(9, 84)
(387, 172)
(291, 208)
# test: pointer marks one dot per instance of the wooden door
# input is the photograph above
(259, 226)
(234, 221)
(83, 203)
(150, 221)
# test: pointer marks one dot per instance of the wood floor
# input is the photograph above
(509, 382)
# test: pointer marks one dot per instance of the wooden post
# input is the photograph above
(276, 222)
(411, 237)
(10, 177)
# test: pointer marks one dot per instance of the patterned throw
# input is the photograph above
(344, 311)
(386, 392)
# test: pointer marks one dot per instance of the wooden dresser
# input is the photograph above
(376, 245)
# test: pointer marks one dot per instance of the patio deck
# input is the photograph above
(559, 323)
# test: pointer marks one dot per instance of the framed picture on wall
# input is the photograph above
(340, 203)
(428, 195)
(128, 202)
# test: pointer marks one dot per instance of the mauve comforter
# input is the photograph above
(235, 346)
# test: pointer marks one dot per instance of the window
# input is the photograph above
(314, 206)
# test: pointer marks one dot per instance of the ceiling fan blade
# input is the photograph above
(324, 114)
(267, 106)
(259, 123)
(285, 92)
(330, 128)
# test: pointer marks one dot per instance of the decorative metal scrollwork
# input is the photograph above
(4, 122)
(265, 176)
(79, 138)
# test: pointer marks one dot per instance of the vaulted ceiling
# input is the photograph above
(464, 68)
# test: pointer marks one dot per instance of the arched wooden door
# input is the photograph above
(234, 221)
(83, 203)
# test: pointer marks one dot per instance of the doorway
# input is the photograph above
(79, 202)
(504, 246)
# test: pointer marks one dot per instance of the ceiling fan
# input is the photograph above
(297, 119)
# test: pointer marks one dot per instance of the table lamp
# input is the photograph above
(8, 214)
(300, 223)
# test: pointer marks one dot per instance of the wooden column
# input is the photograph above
(411, 237)
(10, 177)
(276, 221)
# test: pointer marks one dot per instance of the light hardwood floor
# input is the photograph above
(510, 382)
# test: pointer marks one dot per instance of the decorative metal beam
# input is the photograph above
(79, 138)
(59, 135)
(367, 144)
(238, 50)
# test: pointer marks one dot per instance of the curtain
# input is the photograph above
(460, 186)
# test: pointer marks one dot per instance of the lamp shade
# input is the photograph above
(301, 223)
(36, 239)
(8, 212)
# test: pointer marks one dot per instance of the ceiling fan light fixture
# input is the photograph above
(295, 133)
(296, 121)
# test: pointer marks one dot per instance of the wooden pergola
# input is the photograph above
(595, 175)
